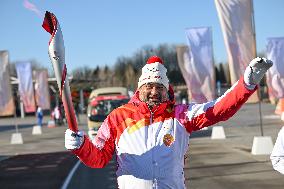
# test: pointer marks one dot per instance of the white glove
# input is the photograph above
(73, 140)
(255, 71)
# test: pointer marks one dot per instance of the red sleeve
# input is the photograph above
(221, 109)
(98, 153)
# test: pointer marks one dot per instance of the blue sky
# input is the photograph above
(98, 32)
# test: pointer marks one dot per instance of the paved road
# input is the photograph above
(222, 164)
(44, 171)
(210, 163)
(86, 177)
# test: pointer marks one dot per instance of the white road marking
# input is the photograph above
(70, 175)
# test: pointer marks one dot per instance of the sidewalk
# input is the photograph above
(221, 164)
(51, 139)
(228, 163)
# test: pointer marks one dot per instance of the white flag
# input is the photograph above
(26, 89)
(41, 89)
(199, 66)
(236, 20)
(275, 75)
(7, 106)
(183, 59)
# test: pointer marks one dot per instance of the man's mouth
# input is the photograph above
(155, 100)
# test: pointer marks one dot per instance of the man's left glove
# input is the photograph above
(73, 140)
(255, 71)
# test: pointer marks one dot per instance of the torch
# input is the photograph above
(56, 53)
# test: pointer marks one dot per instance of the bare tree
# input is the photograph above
(130, 76)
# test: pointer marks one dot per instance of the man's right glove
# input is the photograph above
(255, 71)
(73, 140)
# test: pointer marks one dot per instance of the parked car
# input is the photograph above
(101, 102)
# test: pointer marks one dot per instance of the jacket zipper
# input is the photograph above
(155, 182)
(151, 117)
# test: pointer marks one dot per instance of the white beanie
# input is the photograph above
(154, 72)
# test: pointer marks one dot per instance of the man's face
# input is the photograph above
(153, 93)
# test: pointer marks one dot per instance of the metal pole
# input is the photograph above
(81, 107)
(260, 113)
(22, 109)
(15, 112)
(259, 88)
(16, 122)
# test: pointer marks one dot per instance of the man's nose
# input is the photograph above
(155, 90)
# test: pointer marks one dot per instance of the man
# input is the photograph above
(150, 134)
(57, 115)
(39, 115)
(277, 155)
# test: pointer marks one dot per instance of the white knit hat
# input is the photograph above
(154, 72)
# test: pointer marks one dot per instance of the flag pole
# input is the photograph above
(259, 85)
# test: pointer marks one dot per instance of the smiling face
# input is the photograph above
(153, 94)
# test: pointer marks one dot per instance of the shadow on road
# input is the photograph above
(42, 171)
(201, 133)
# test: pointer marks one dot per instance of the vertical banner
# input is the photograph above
(26, 90)
(7, 106)
(183, 62)
(275, 75)
(237, 23)
(237, 26)
(199, 70)
(41, 89)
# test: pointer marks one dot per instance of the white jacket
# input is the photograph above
(150, 145)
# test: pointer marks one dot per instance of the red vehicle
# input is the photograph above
(101, 102)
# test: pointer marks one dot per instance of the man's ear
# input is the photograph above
(171, 93)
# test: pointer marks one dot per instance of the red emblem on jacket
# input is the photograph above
(168, 139)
